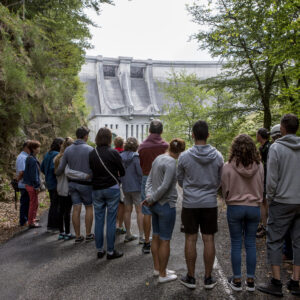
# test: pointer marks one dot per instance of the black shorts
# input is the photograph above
(206, 218)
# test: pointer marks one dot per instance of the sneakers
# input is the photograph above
(293, 287)
(250, 286)
(34, 225)
(236, 286)
(188, 281)
(130, 238)
(209, 283)
(274, 287)
(101, 254)
(116, 254)
(168, 278)
(89, 237)
(156, 272)
(79, 240)
(61, 236)
(69, 236)
(120, 230)
(146, 248)
(141, 240)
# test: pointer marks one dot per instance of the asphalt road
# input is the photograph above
(35, 265)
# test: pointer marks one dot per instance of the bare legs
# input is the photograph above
(147, 227)
(120, 215)
(127, 218)
(191, 253)
(89, 216)
(76, 219)
(160, 252)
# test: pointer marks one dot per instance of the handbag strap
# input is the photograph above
(107, 168)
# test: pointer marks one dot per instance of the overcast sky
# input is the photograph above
(142, 29)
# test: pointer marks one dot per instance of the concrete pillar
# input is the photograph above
(150, 84)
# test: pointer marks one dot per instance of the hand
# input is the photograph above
(145, 203)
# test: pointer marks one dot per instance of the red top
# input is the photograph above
(119, 149)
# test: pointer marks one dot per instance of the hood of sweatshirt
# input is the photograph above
(128, 156)
(247, 172)
(79, 142)
(204, 154)
(291, 141)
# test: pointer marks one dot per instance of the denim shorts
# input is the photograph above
(145, 209)
(80, 194)
(163, 220)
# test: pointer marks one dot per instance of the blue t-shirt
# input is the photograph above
(20, 167)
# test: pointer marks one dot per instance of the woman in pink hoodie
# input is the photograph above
(242, 187)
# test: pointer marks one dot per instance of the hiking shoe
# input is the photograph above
(168, 278)
(35, 225)
(236, 286)
(79, 240)
(130, 238)
(188, 281)
(89, 237)
(169, 272)
(250, 286)
(61, 236)
(101, 254)
(116, 254)
(293, 287)
(141, 240)
(209, 283)
(69, 236)
(120, 230)
(274, 287)
(146, 248)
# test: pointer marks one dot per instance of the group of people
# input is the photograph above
(109, 182)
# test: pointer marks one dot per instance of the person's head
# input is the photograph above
(118, 142)
(103, 137)
(262, 135)
(67, 142)
(200, 131)
(34, 147)
(82, 133)
(25, 146)
(275, 132)
(156, 126)
(131, 144)
(56, 144)
(244, 151)
(289, 124)
(176, 146)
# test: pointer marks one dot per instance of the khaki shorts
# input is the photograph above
(132, 198)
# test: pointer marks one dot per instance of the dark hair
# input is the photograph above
(177, 146)
(57, 142)
(264, 133)
(81, 132)
(118, 142)
(25, 144)
(244, 151)
(156, 126)
(131, 144)
(33, 144)
(290, 122)
(200, 130)
(103, 137)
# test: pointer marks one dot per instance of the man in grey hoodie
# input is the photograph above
(283, 194)
(199, 174)
(76, 157)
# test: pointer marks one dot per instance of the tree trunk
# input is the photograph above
(267, 115)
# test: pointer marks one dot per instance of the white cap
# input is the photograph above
(275, 130)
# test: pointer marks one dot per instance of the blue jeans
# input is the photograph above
(243, 222)
(163, 220)
(24, 206)
(145, 209)
(102, 199)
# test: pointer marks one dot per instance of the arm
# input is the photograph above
(148, 187)
(272, 174)
(180, 172)
(119, 164)
(220, 170)
(225, 181)
(165, 185)
(62, 165)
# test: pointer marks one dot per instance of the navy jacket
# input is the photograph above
(31, 175)
(47, 167)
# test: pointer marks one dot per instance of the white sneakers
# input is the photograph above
(156, 272)
(169, 277)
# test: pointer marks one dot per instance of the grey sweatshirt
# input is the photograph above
(283, 177)
(199, 174)
(161, 182)
(77, 158)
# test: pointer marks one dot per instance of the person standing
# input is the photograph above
(242, 187)
(76, 157)
(106, 165)
(131, 185)
(199, 174)
(119, 146)
(283, 194)
(24, 200)
(149, 149)
(161, 197)
(31, 179)
(262, 136)
(47, 168)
